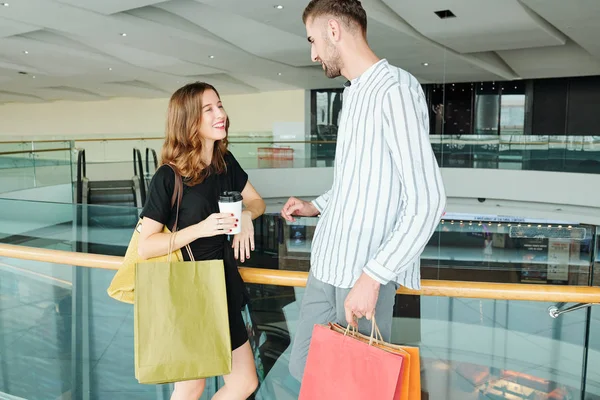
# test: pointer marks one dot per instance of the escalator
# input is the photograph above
(128, 193)
(105, 227)
(105, 215)
(148, 175)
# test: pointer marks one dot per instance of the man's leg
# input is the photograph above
(318, 307)
(383, 311)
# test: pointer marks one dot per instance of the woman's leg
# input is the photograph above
(242, 381)
(188, 390)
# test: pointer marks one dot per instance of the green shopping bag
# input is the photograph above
(181, 324)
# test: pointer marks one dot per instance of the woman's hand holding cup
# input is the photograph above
(217, 224)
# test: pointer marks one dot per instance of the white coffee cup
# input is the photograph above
(231, 202)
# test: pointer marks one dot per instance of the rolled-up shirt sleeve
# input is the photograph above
(321, 202)
(423, 198)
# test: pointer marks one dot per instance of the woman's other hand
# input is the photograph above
(243, 242)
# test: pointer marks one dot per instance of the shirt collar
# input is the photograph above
(364, 77)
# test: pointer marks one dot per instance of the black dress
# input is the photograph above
(197, 204)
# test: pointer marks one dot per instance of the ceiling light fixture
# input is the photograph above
(426, 64)
(109, 68)
(279, 7)
(5, 4)
(279, 73)
(211, 57)
(25, 52)
(33, 76)
(444, 14)
(123, 34)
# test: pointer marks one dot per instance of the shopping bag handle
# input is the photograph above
(176, 198)
(375, 332)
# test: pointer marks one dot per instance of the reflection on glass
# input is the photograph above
(512, 114)
(327, 106)
(487, 104)
(457, 108)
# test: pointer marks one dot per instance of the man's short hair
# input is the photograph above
(350, 12)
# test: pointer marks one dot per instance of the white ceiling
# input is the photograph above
(75, 49)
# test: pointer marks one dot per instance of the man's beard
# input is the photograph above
(333, 65)
(332, 70)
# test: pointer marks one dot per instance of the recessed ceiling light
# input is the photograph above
(444, 14)
(425, 64)
(123, 34)
(279, 7)
(25, 52)
(5, 4)
(211, 57)
(110, 69)
(279, 73)
(33, 76)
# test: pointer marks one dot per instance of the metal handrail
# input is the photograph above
(6, 153)
(474, 290)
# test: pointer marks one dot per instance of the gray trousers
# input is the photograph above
(323, 303)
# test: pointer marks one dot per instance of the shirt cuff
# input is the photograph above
(378, 272)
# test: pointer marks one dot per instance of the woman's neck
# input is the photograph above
(208, 147)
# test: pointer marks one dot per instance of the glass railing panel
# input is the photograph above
(115, 149)
(24, 169)
(92, 229)
(470, 349)
(522, 152)
(261, 150)
(592, 384)
(468, 345)
(60, 333)
(509, 250)
(251, 151)
(283, 154)
(475, 248)
(111, 171)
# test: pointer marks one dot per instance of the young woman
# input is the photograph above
(196, 145)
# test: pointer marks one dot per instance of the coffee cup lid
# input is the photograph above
(230, 197)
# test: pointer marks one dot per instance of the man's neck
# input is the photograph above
(357, 58)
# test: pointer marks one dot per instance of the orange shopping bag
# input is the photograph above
(411, 373)
(348, 365)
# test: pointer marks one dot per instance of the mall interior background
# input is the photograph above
(513, 89)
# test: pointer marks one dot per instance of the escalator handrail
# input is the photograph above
(154, 158)
(138, 164)
(81, 173)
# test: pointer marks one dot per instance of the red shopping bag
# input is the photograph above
(340, 366)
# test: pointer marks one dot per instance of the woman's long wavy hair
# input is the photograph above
(183, 143)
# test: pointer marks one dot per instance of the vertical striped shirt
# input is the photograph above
(387, 195)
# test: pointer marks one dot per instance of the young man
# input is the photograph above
(387, 195)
